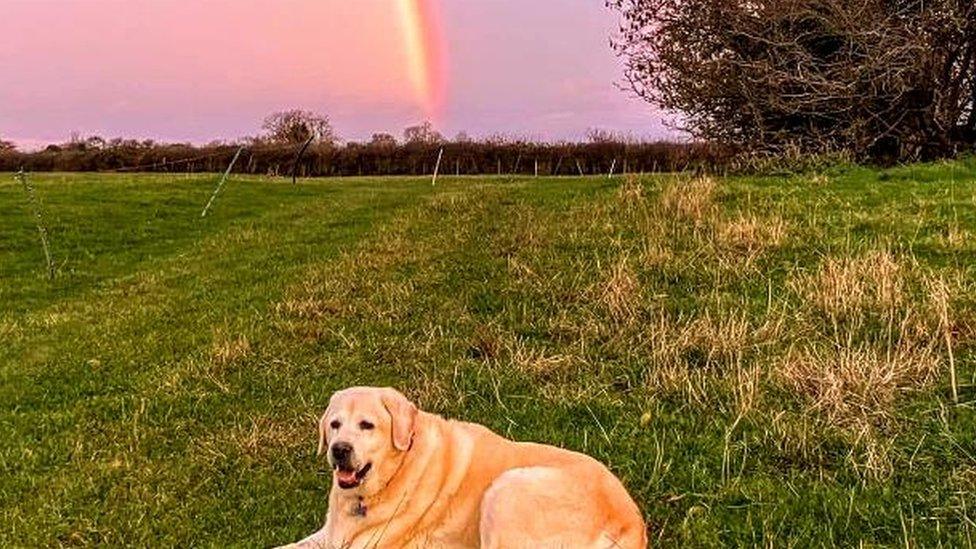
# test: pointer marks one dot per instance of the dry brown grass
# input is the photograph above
(448, 202)
(858, 386)
(631, 192)
(955, 237)
(940, 307)
(848, 287)
(227, 349)
(537, 361)
(820, 180)
(310, 304)
(710, 340)
(259, 439)
(688, 212)
(870, 454)
(695, 356)
(890, 333)
(8, 328)
(692, 200)
(915, 305)
(654, 253)
(747, 388)
(620, 291)
(507, 350)
(751, 234)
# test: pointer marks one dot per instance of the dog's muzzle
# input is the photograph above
(347, 473)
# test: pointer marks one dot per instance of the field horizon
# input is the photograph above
(763, 360)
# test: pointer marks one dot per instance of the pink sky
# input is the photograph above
(196, 70)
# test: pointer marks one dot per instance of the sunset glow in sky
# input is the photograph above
(197, 70)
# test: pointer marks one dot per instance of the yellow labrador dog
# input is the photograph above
(405, 478)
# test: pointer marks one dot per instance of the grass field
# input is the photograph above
(763, 361)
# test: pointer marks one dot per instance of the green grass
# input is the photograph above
(763, 361)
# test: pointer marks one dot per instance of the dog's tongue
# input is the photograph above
(346, 477)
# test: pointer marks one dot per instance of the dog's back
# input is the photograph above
(536, 495)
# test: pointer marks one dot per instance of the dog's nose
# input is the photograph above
(341, 451)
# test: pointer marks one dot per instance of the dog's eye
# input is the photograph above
(336, 424)
(365, 425)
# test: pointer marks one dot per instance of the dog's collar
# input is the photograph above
(360, 509)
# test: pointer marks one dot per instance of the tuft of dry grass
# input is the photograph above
(520, 270)
(631, 192)
(850, 286)
(654, 253)
(260, 439)
(693, 199)
(689, 355)
(688, 215)
(751, 234)
(307, 306)
(890, 333)
(940, 308)
(620, 291)
(497, 347)
(819, 180)
(228, 349)
(708, 340)
(8, 328)
(858, 386)
(537, 361)
(955, 237)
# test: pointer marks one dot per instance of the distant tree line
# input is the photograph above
(879, 79)
(274, 153)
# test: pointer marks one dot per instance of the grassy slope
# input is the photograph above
(762, 361)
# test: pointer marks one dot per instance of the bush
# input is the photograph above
(881, 79)
(381, 156)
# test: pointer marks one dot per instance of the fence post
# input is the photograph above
(298, 158)
(221, 183)
(437, 167)
(38, 220)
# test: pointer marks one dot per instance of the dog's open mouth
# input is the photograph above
(350, 478)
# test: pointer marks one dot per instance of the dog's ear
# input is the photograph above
(404, 415)
(324, 429)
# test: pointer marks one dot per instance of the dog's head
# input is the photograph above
(365, 432)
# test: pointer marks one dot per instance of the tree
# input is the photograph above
(422, 134)
(297, 126)
(78, 143)
(879, 78)
(597, 135)
(7, 146)
(383, 140)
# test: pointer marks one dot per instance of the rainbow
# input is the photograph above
(425, 53)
